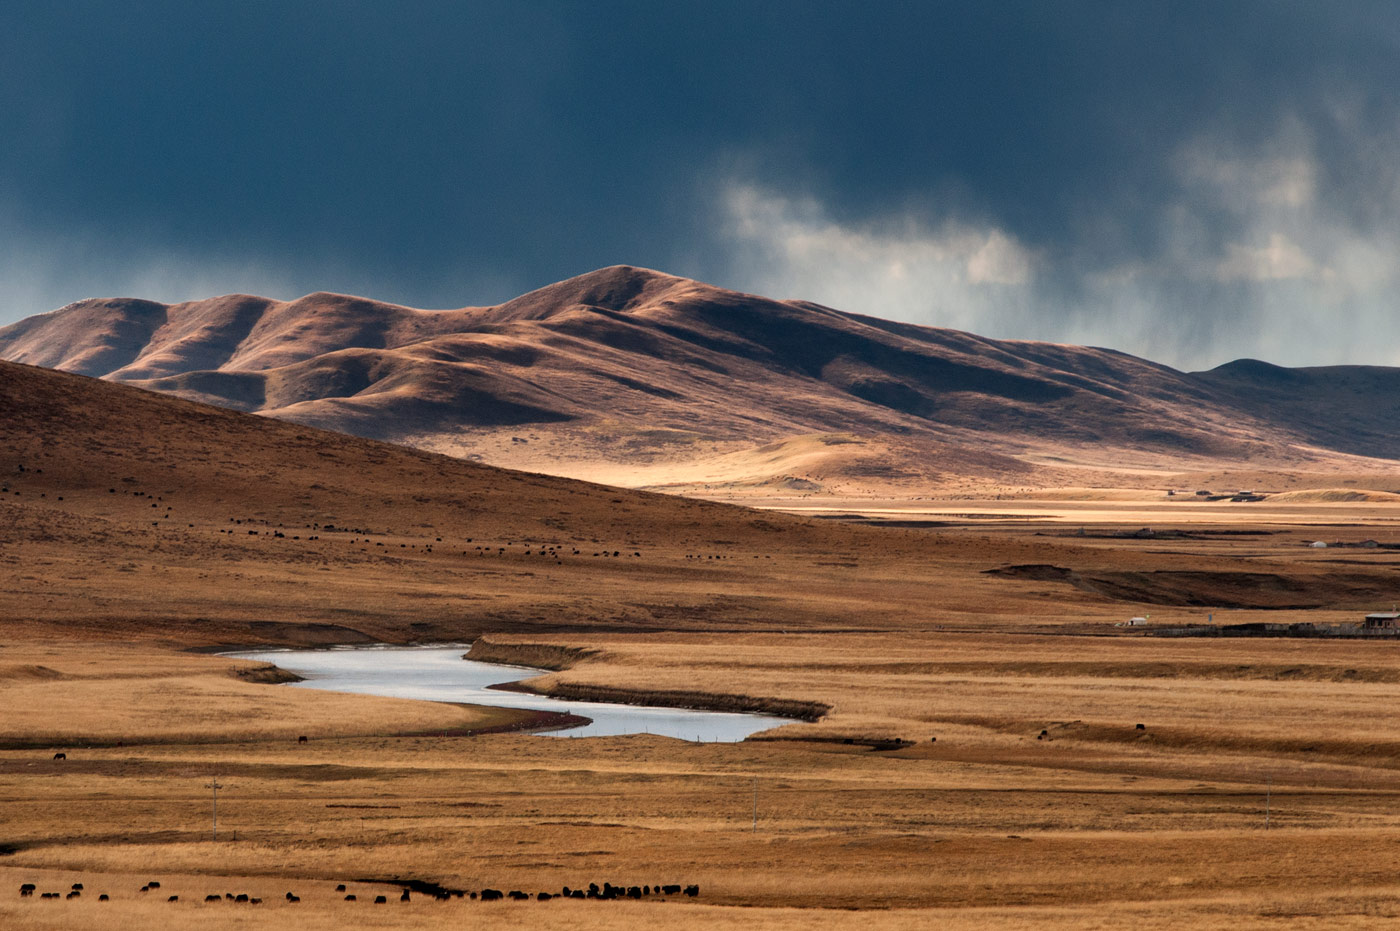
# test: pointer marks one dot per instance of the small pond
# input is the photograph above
(438, 673)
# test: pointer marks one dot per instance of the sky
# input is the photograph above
(1192, 182)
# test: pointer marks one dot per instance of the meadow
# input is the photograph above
(1263, 785)
(142, 533)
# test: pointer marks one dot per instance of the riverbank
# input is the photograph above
(94, 694)
(561, 657)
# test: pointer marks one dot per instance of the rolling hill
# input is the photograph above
(126, 513)
(634, 377)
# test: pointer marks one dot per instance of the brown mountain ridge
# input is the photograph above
(640, 378)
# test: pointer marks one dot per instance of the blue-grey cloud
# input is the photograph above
(1187, 180)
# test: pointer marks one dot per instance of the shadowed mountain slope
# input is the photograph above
(86, 436)
(625, 366)
(126, 510)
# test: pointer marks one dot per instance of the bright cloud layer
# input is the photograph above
(957, 275)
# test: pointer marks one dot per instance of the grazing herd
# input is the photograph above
(75, 891)
(606, 892)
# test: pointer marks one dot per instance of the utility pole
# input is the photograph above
(216, 786)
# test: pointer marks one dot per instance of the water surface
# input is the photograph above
(438, 673)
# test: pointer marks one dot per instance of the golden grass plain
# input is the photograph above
(905, 630)
(1098, 824)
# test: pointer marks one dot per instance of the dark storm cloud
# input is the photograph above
(1190, 181)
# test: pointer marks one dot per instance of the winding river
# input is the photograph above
(438, 673)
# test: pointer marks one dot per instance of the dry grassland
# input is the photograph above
(1099, 824)
(982, 630)
(102, 693)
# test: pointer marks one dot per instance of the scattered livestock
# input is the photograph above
(606, 892)
(60, 756)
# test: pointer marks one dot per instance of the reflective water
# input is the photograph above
(438, 673)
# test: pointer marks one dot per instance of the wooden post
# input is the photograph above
(216, 787)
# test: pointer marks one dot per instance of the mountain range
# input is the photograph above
(640, 378)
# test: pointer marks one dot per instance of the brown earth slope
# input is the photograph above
(124, 510)
(645, 379)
